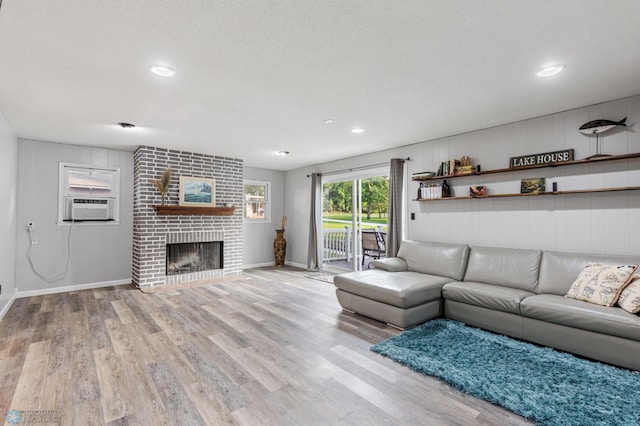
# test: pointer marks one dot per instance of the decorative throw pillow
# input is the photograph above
(630, 297)
(601, 284)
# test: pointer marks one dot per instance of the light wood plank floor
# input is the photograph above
(270, 347)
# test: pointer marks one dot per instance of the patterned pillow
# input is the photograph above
(601, 284)
(630, 297)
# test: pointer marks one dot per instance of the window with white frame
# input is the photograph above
(257, 201)
(88, 193)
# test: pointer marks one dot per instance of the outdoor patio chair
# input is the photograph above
(373, 244)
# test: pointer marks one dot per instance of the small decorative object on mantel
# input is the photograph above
(162, 184)
(595, 127)
(544, 158)
(532, 186)
(280, 244)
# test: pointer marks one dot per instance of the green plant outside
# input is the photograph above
(337, 203)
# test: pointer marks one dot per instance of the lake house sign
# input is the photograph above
(545, 158)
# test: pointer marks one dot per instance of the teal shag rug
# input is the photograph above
(541, 384)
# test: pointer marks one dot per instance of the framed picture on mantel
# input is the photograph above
(196, 191)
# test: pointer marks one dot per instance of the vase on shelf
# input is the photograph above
(280, 247)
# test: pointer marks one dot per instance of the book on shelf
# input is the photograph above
(430, 190)
(448, 168)
(422, 175)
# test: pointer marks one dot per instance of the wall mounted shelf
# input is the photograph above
(594, 160)
(193, 210)
(580, 191)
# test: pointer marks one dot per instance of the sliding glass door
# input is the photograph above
(354, 219)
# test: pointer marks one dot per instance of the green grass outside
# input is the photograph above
(347, 217)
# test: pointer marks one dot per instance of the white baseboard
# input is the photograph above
(54, 290)
(7, 307)
(262, 265)
(297, 265)
(258, 265)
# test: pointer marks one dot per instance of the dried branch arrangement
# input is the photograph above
(162, 184)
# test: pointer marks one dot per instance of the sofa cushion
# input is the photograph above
(582, 315)
(445, 260)
(629, 299)
(490, 296)
(401, 289)
(515, 268)
(391, 264)
(559, 270)
(601, 284)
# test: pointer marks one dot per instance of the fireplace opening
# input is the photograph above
(186, 258)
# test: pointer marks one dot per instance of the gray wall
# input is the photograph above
(587, 223)
(8, 190)
(100, 253)
(258, 237)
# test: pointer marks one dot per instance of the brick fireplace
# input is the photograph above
(152, 232)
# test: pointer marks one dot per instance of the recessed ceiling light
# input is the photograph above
(328, 121)
(549, 71)
(126, 125)
(357, 130)
(161, 70)
(283, 153)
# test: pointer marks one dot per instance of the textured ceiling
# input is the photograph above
(255, 77)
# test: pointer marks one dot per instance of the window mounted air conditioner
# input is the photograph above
(89, 209)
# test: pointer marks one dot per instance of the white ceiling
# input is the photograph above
(255, 77)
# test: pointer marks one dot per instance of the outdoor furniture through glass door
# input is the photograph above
(373, 244)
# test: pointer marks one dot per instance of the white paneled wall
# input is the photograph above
(599, 222)
(587, 223)
(100, 253)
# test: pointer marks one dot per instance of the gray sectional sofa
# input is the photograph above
(519, 293)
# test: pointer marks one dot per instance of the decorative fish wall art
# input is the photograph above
(596, 127)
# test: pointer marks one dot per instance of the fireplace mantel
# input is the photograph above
(194, 210)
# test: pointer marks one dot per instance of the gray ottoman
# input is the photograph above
(401, 299)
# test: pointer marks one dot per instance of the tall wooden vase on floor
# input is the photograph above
(280, 247)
